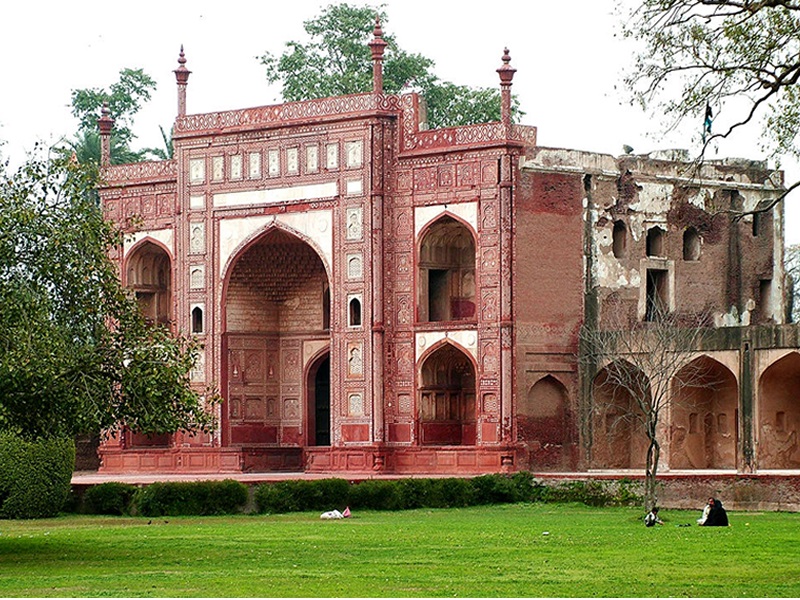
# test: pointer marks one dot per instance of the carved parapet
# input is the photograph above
(141, 172)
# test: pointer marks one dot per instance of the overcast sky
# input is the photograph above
(569, 64)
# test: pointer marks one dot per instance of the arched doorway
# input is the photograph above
(447, 412)
(779, 414)
(276, 305)
(705, 413)
(619, 440)
(446, 273)
(318, 393)
(543, 423)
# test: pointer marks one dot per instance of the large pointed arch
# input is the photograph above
(619, 440)
(704, 426)
(778, 414)
(446, 284)
(447, 413)
(275, 300)
(544, 423)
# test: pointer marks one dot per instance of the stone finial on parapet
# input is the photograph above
(105, 124)
(506, 73)
(182, 78)
(377, 46)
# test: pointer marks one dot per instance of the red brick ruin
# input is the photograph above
(377, 296)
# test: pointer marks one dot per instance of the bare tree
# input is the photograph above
(733, 63)
(639, 371)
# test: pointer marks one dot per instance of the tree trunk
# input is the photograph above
(651, 470)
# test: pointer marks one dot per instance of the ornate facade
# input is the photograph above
(373, 295)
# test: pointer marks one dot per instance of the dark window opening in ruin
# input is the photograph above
(620, 239)
(691, 244)
(197, 320)
(756, 224)
(764, 296)
(447, 273)
(354, 316)
(657, 295)
(587, 183)
(326, 307)
(654, 245)
(447, 412)
(149, 276)
(693, 423)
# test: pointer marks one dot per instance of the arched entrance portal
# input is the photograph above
(318, 393)
(447, 399)
(779, 415)
(543, 423)
(704, 425)
(276, 313)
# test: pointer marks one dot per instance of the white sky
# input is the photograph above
(569, 64)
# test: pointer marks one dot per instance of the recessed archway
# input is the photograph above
(447, 411)
(149, 275)
(619, 440)
(543, 423)
(276, 299)
(779, 414)
(705, 416)
(446, 282)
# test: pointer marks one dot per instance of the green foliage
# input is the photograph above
(740, 57)
(76, 356)
(34, 476)
(792, 269)
(378, 494)
(337, 61)
(110, 498)
(302, 495)
(191, 498)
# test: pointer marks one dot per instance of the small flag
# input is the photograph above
(707, 123)
(346, 512)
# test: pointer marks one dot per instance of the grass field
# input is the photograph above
(505, 550)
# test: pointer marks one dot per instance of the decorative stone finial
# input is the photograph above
(506, 73)
(182, 78)
(377, 46)
(105, 124)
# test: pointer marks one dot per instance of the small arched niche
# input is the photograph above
(691, 244)
(149, 275)
(655, 242)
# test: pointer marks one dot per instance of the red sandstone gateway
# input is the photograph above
(376, 296)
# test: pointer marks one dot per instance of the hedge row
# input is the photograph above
(34, 476)
(162, 499)
(403, 494)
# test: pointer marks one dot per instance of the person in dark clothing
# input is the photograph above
(717, 517)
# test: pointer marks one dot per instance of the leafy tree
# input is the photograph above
(337, 61)
(737, 59)
(76, 356)
(124, 98)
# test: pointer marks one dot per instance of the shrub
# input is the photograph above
(496, 489)
(377, 494)
(34, 476)
(191, 498)
(451, 492)
(591, 493)
(299, 495)
(110, 498)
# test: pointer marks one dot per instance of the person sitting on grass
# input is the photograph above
(706, 510)
(652, 518)
(717, 517)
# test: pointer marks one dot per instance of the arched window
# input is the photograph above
(691, 244)
(149, 276)
(655, 242)
(354, 313)
(447, 411)
(620, 239)
(197, 320)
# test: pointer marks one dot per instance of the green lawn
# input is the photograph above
(484, 551)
